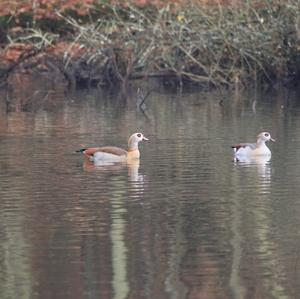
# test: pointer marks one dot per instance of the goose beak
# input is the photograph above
(272, 139)
(144, 138)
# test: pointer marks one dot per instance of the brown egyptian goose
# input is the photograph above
(113, 153)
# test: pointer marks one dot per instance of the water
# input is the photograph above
(187, 222)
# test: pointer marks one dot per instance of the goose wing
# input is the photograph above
(244, 145)
(90, 151)
(112, 150)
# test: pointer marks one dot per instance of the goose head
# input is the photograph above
(264, 136)
(135, 139)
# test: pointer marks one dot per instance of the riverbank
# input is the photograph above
(110, 44)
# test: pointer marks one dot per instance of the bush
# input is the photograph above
(212, 44)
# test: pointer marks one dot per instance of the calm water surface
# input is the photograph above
(187, 222)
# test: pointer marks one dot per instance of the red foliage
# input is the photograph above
(61, 47)
(177, 3)
(13, 52)
(47, 8)
(44, 8)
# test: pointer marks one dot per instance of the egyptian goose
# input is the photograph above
(254, 149)
(113, 153)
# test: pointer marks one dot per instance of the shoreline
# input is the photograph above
(207, 46)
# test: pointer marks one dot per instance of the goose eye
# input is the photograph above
(266, 135)
(139, 135)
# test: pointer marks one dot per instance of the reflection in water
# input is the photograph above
(260, 163)
(120, 280)
(186, 223)
(235, 282)
(260, 186)
(259, 167)
(173, 284)
(15, 271)
(119, 249)
(134, 177)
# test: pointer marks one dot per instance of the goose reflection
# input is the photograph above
(256, 180)
(133, 169)
(133, 172)
(118, 211)
(261, 163)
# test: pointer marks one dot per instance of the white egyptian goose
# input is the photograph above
(254, 149)
(113, 153)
